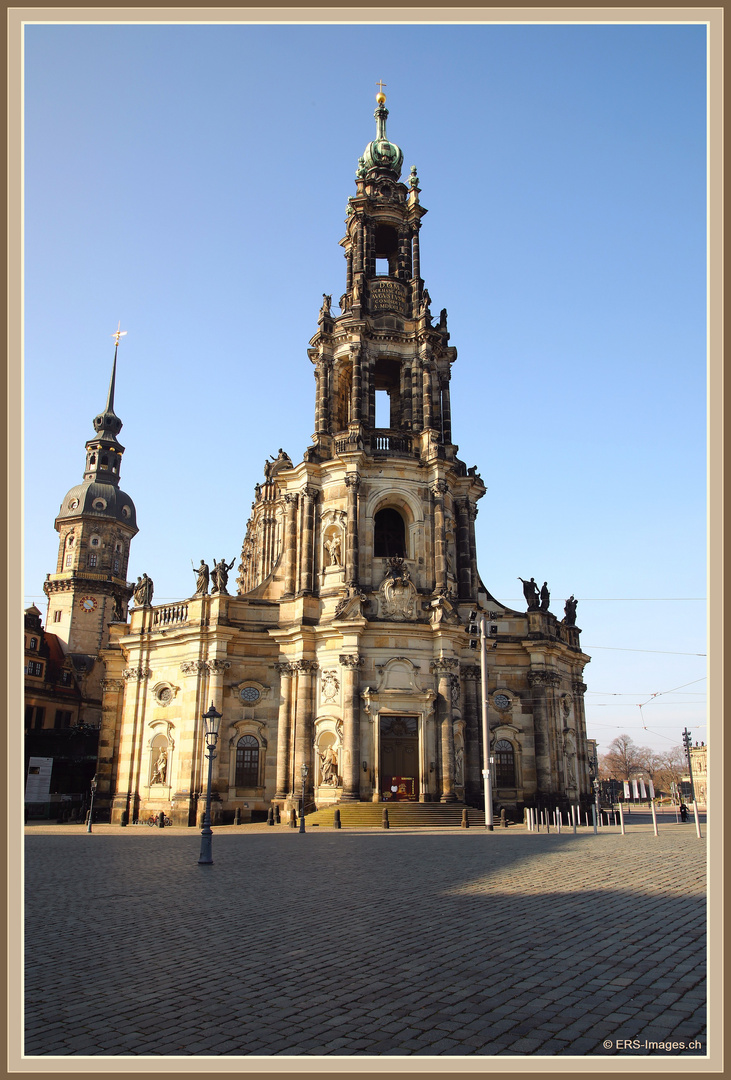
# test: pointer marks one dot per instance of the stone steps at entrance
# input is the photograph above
(400, 815)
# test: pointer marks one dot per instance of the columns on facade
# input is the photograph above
(323, 371)
(304, 727)
(473, 758)
(427, 394)
(472, 513)
(406, 394)
(309, 495)
(440, 548)
(352, 482)
(351, 727)
(446, 409)
(444, 669)
(290, 543)
(417, 419)
(543, 724)
(578, 689)
(464, 568)
(356, 399)
(284, 730)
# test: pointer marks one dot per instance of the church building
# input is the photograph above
(343, 643)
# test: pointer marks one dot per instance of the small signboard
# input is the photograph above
(38, 781)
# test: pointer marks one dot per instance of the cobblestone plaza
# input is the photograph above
(454, 943)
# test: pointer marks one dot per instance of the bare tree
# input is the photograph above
(673, 766)
(624, 758)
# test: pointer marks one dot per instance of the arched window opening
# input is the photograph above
(247, 762)
(386, 243)
(389, 534)
(92, 459)
(505, 761)
(105, 459)
(388, 379)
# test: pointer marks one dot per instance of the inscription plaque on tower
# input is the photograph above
(387, 295)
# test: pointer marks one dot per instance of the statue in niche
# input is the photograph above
(143, 591)
(459, 766)
(220, 577)
(333, 549)
(201, 578)
(329, 763)
(570, 611)
(425, 302)
(118, 615)
(531, 593)
(545, 597)
(160, 767)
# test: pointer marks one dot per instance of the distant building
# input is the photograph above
(699, 765)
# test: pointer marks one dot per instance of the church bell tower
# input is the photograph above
(95, 523)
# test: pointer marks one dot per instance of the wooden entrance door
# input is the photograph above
(399, 758)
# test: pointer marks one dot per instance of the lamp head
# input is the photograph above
(211, 720)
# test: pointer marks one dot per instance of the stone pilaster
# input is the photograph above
(473, 549)
(309, 495)
(304, 725)
(446, 411)
(290, 543)
(578, 689)
(443, 669)
(406, 388)
(543, 724)
(284, 731)
(351, 727)
(471, 688)
(417, 420)
(464, 568)
(352, 482)
(440, 552)
(427, 396)
(356, 401)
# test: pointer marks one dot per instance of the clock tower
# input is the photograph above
(95, 523)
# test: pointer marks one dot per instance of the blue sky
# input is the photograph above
(191, 181)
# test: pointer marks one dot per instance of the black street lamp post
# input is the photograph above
(304, 771)
(211, 719)
(91, 804)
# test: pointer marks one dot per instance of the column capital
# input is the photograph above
(544, 678)
(439, 489)
(193, 667)
(578, 686)
(290, 498)
(445, 665)
(304, 667)
(137, 673)
(352, 480)
(471, 673)
(351, 660)
(285, 669)
(217, 666)
(310, 492)
(109, 685)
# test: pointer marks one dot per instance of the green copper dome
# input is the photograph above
(382, 154)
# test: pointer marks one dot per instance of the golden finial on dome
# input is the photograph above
(380, 96)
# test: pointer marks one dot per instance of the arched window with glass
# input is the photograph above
(247, 762)
(504, 764)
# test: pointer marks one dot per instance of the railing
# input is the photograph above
(166, 616)
(385, 442)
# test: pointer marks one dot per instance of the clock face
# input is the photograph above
(501, 701)
(87, 603)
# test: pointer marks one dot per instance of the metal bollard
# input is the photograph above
(654, 818)
(336, 818)
(385, 818)
(621, 819)
(237, 816)
(465, 823)
(277, 815)
(503, 820)
(270, 816)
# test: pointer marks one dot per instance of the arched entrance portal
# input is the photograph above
(399, 764)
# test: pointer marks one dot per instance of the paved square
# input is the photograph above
(454, 942)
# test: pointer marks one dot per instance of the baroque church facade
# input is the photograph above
(342, 645)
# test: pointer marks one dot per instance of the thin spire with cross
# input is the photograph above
(118, 334)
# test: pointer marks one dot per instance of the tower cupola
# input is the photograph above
(382, 154)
